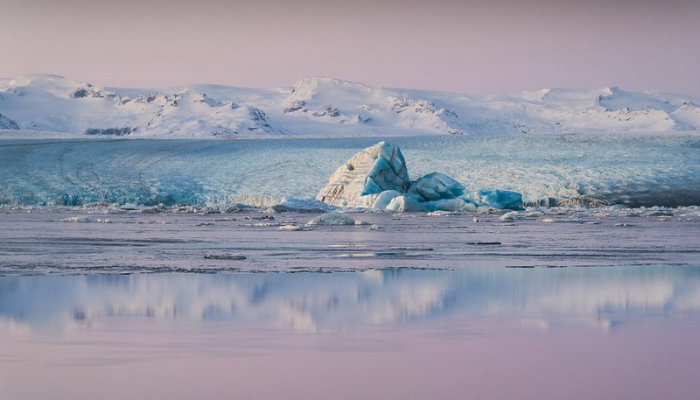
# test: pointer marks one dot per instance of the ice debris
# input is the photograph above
(290, 204)
(290, 227)
(85, 219)
(377, 178)
(333, 218)
(225, 256)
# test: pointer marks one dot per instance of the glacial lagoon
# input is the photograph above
(107, 293)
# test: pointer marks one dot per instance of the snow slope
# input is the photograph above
(328, 107)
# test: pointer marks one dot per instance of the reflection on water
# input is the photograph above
(482, 333)
(544, 297)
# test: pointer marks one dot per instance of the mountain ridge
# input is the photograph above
(325, 106)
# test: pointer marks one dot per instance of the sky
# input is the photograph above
(464, 46)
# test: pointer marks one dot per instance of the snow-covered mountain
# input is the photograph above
(329, 107)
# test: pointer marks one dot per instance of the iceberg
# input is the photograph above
(436, 186)
(377, 178)
(371, 171)
(503, 199)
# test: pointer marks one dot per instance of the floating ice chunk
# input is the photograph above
(623, 224)
(290, 227)
(378, 201)
(436, 186)
(333, 218)
(371, 171)
(440, 213)
(405, 204)
(457, 204)
(510, 216)
(80, 219)
(290, 204)
(503, 199)
(225, 256)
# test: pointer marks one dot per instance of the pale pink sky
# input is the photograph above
(469, 46)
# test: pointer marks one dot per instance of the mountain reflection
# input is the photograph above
(322, 302)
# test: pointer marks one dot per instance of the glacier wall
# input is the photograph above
(547, 170)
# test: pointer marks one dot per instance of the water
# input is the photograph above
(489, 333)
(44, 241)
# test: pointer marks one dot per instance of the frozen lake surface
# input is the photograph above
(42, 241)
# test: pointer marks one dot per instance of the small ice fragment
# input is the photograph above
(357, 222)
(225, 256)
(659, 213)
(332, 218)
(510, 216)
(290, 228)
(548, 220)
(441, 213)
(290, 204)
(80, 219)
(376, 227)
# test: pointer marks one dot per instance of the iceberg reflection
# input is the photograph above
(329, 302)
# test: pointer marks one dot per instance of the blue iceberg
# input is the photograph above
(377, 178)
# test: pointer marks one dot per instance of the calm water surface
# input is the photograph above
(481, 332)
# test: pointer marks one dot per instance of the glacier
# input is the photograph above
(32, 105)
(551, 170)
